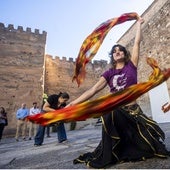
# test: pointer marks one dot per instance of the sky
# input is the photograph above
(69, 22)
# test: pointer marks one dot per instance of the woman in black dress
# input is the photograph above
(127, 133)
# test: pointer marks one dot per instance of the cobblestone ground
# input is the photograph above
(52, 155)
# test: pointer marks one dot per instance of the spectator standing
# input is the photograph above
(33, 126)
(3, 120)
(21, 115)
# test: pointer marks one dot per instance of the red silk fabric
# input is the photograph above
(104, 104)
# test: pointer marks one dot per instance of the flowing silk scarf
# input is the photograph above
(92, 43)
(106, 103)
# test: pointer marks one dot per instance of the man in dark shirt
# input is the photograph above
(54, 102)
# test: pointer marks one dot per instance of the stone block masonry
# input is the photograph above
(21, 69)
(59, 74)
(26, 72)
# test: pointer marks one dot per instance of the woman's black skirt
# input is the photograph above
(127, 135)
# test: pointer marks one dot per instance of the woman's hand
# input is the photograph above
(166, 107)
(140, 20)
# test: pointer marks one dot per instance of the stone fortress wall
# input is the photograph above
(59, 74)
(58, 78)
(21, 69)
(26, 72)
(155, 43)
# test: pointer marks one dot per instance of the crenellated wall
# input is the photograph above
(21, 69)
(59, 73)
(58, 78)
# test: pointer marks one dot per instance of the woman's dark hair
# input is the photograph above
(3, 110)
(64, 95)
(122, 48)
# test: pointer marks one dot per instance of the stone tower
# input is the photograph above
(21, 68)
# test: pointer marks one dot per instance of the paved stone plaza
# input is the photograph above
(52, 155)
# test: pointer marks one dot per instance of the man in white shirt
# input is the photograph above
(32, 126)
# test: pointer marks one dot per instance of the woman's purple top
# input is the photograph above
(119, 79)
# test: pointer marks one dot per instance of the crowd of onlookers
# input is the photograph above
(22, 122)
(23, 126)
(27, 130)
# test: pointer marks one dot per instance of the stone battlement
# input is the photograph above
(65, 59)
(20, 29)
